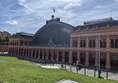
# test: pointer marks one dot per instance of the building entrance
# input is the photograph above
(74, 57)
(82, 58)
(91, 59)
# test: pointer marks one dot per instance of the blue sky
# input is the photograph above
(30, 15)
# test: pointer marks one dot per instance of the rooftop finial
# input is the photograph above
(52, 16)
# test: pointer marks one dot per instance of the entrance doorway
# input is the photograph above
(102, 60)
(82, 58)
(66, 56)
(114, 62)
(91, 59)
(74, 57)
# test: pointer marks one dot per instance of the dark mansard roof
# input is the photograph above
(101, 23)
(22, 34)
(54, 33)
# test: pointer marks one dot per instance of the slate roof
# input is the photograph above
(100, 24)
(22, 34)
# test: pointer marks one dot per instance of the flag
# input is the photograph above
(53, 9)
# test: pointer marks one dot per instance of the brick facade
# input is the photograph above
(84, 47)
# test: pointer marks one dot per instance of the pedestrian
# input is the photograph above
(77, 62)
(80, 66)
(53, 61)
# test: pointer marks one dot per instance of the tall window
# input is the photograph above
(116, 43)
(75, 43)
(103, 44)
(102, 56)
(91, 43)
(114, 57)
(83, 43)
(112, 44)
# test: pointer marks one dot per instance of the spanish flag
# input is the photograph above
(53, 9)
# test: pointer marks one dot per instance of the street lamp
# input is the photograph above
(99, 71)
(99, 59)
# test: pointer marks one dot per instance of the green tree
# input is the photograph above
(1, 38)
(7, 38)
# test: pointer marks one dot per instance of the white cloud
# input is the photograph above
(115, 0)
(98, 6)
(12, 22)
(71, 5)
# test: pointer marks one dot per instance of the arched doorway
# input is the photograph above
(74, 57)
(82, 58)
(114, 62)
(102, 60)
(60, 56)
(66, 56)
(91, 59)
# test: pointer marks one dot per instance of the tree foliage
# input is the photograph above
(4, 41)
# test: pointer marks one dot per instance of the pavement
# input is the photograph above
(89, 72)
(51, 67)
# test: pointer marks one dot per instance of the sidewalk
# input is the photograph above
(89, 72)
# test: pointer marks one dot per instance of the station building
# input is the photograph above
(63, 42)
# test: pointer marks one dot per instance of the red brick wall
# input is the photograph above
(3, 48)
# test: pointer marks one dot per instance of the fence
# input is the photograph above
(86, 70)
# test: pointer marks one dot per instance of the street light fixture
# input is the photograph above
(99, 71)
(99, 59)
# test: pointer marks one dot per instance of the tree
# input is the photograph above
(1, 38)
(7, 38)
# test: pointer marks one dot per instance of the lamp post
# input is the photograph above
(99, 59)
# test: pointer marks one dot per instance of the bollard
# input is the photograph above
(70, 68)
(106, 74)
(95, 72)
(84, 70)
(77, 69)
(65, 66)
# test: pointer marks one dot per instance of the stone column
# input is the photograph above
(87, 59)
(78, 56)
(63, 56)
(71, 42)
(52, 55)
(57, 57)
(28, 52)
(31, 52)
(97, 42)
(35, 53)
(108, 42)
(25, 52)
(70, 56)
(78, 42)
(108, 61)
(39, 53)
(47, 54)
(42, 54)
(96, 58)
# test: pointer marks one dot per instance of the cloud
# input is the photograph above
(14, 22)
(71, 5)
(98, 6)
(31, 15)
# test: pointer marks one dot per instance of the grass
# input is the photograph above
(14, 70)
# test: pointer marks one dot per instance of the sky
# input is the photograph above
(30, 15)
